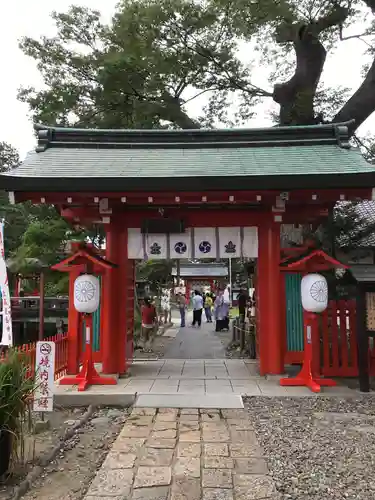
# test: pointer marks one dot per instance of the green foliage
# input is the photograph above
(157, 56)
(15, 389)
(156, 272)
(35, 235)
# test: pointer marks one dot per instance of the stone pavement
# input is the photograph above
(202, 377)
(187, 454)
(195, 343)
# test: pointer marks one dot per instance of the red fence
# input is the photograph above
(61, 354)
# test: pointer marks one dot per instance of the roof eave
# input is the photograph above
(187, 184)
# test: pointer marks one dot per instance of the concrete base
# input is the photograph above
(76, 399)
(221, 401)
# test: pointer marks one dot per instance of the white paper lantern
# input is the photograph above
(314, 293)
(86, 293)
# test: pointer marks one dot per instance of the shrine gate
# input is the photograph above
(149, 187)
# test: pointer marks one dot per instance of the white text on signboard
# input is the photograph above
(44, 376)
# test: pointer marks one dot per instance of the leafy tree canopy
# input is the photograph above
(35, 235)
(157, 56)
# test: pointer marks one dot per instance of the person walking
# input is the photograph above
(165, 304)
(197, 308)
(149, 316)
(182, 308)
(208, 303)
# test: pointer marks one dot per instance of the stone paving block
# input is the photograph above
(153, 493)
(253, 487)
(240, 424)
(168, 411)
(128, 445)
(156, 457)
(152, 476)
(252, 465)
(190, 436)
(166, 417)
(189, 411)
(119, 460)
(213, 417)
(244, 450)
(186, 488)
(234, 413)
(143, 412)
(216, 494)
(163, 426)
(218, 436)
(218, 463)
(217, 478)
(191, 390)
(135, 432)
(161, 443)
(90, 497)
(187, 466)
(216, 449)
(188, 426)
(192, 382)
(189, 418)
(110, 482)
(209, 411)
(189, 450)
(140, 421)
(246, 437)
(166, 434)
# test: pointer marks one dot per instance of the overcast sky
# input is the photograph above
(26, 18)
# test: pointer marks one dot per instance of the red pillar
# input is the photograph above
(125, 294)
(111, 303)
(74, 334)
(271, 345)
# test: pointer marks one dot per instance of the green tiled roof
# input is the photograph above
(202, 162)
(265, 158)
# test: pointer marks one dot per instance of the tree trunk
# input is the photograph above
(362, 103)
(296, 96)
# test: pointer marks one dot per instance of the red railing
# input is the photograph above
(338, 353)
(61, 354)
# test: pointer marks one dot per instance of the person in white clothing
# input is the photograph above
(197, 308)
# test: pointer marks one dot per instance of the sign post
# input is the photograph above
(44, 376)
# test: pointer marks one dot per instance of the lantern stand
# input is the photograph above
(88, 374)
(316, 260)
(307, 376)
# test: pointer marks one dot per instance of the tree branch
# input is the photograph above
(296, 96)
(362, 103)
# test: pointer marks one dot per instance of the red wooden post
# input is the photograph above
(41, 305)
(111, 304)
(124, 291)
(271, 342)
(74, 335)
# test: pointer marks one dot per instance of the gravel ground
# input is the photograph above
(318, 448)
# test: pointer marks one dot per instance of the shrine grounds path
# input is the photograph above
(187, 454)
(196, 343)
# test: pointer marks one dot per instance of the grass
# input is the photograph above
(16, 389)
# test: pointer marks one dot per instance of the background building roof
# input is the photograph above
(201, 270)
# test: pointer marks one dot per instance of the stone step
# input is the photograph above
(221, 401)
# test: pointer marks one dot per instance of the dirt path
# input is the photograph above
(70, 474)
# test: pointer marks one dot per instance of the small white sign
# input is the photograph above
(44, 376)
